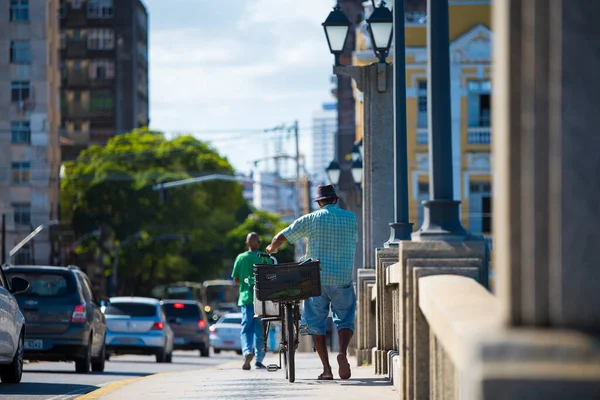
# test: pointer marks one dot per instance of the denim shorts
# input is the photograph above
(342, 300)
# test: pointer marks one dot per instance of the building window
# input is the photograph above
(102, 69)
(76, 35)
(20, 132)
(20, 172)
(100, 9)
(62, 11)
(422, 104)
(101, 39)
(22, 213)
(480, 207)
(63, 40)
(63, 70)
(142, 18)
(76, 4)
(19, 10)
(142, 51)
(480, 103)
(101, 101)
(20, 52)
(20, 91)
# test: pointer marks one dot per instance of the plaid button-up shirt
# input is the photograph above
(332, 234)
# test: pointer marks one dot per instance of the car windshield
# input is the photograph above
(181, 310)
(229, 320)
(46, 284)
(131, 309)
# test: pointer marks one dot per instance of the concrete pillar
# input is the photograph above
(546, 132)
(376, 82)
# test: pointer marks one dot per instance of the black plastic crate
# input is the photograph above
(287, 282)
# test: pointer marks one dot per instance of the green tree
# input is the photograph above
(111, 186)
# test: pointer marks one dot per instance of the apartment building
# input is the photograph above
(29, 123)
(104, 71)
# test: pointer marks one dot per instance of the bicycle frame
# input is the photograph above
(285, 339)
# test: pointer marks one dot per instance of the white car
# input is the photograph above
(12, 329)
(138, 325)
(225, 333)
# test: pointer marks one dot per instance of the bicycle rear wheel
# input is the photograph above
(291, 342)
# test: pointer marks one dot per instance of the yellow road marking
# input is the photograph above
(114, 386)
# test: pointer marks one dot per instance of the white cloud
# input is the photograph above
(281, 12)
(268, 65)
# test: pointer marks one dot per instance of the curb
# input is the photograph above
(116, 385)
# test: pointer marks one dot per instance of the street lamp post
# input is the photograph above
(30, 237)
(375, 81)
(401, 228)
(441, 218)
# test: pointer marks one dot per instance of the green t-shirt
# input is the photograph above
(243, 268)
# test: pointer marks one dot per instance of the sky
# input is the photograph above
(225, 71)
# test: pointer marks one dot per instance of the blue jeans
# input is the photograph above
(342, 301)
(252, 335)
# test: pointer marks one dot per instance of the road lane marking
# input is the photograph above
(116, 385)
(71, 394)
(107, 388)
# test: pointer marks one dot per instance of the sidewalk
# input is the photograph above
(229, 381)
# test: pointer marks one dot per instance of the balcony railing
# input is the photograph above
(422, 136)
(480, 135)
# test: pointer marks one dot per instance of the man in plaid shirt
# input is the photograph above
(332, 234)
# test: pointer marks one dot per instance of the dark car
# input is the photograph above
(63, 321)
(189, 324)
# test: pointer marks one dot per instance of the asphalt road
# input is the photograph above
(58, 381)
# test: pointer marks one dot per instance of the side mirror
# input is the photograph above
(19, 285)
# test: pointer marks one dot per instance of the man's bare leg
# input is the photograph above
(321, 347)
(345, 336)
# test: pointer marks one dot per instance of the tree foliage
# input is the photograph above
(110, 187)
(267, 226)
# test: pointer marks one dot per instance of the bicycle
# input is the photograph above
(285, 285)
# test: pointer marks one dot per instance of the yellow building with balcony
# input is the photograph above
(471, 70)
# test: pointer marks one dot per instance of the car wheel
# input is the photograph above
(239, 352)
(82, 365)
(161, 356)
(13, 372)
(217, 351)
(99, 363)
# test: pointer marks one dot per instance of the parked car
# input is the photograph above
(225, 334)
(63, 318)
(12, 329)
(190, 325)
(138, 325)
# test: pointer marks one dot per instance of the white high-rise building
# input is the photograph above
(325, 126)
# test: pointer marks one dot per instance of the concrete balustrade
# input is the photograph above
(472, 356)
(365, 316)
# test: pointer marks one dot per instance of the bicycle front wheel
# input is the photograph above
(291, 339)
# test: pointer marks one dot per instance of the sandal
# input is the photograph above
(344, 370)
(324, 378)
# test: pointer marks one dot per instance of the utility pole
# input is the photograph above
(3, 228)
(297, 140)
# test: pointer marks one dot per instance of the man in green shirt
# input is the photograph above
(243, 274)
